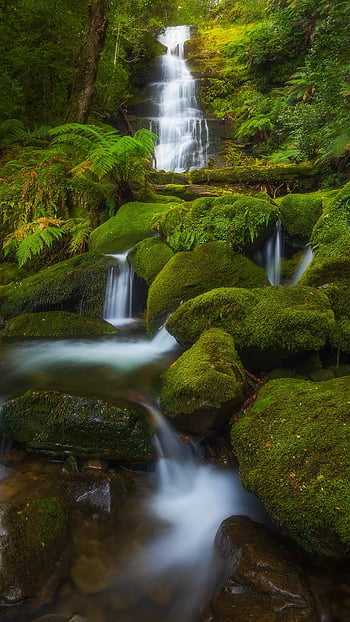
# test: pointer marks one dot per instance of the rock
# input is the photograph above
(240, 221)
(76, 285)
(131, 224)
(293, 448)
(60, 425)
(268, 325)
(34, 536)
(203, 386)
(299, 214)
(148, 257)
(189, 274)
(57, 324)
(263, 583)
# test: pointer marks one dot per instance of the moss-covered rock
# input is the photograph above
(34, 536)
(131, 224)
(76, 285)
(263, 583)
(56, 324)
(267, 324)
(148, 257)
(205, 383)
(299, 214)
(240, 221)
(189, 274)
(11, 272)
(59, 424)
(293, 448)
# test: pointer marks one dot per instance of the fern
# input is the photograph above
(30, 239)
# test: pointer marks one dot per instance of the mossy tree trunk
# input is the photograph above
(84, 83)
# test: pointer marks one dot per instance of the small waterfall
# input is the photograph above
(191, 500)
(269, 257)
(182, 130)
(303, 264)
(118, 299)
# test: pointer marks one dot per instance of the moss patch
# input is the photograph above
(56, 324)
(59, 424)
(293, 448)
(11, 272)
(204, 384)
(299, 214)
(274, 321)
(131, 224)
(191, 273)
(76, 285)
(148, 258)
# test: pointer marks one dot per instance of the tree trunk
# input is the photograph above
(84, 82)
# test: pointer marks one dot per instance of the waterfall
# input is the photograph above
(182, 130)
(118, 300)
(270, 255)
(190, 501)
(303, 264)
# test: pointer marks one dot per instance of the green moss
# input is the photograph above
(204, 384)
(11, 272)
(59, 424)
(131, 224)
(148, 258)
(56, 324)
(293, 448)
(189, 193)
(191, 273)
(76, 285)
(273, 322)
(299, 214)
(36, 534)
(240, 221)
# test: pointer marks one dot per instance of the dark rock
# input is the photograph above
(263, 583)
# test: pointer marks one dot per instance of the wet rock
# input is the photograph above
(293, 449)
(92, 490)
(262, 582)
(33, 539)
(76, 285)
(58, 424)
(57, 324)
(201, 389)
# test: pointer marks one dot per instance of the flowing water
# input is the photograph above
(304, 263)
(118, 305)
(269, 256)
(182, 129)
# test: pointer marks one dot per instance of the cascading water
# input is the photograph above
(270, 255)
(182, 130)
(118, 304)
(305, 261)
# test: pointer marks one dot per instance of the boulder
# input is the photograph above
(131, 224)
(58, 425)
(149, 257)
(293, 448)
(203, 386)
(189, 274)
(299, 214)
(263, 583)
(268, 324)
(56, 324)
(76, 285)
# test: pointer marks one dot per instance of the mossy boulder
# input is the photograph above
(204, 385)
(267, 324)
(131, 224)
(293, 448)
(34, 537)
(263, 583)
(76, 285)
(56, 324)
(299, 214)
(240, 221)
(189, 274)
(11, 272)
(58, 424)
(148, 257)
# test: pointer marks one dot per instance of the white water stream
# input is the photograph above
(118, 301)
(182, 130)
